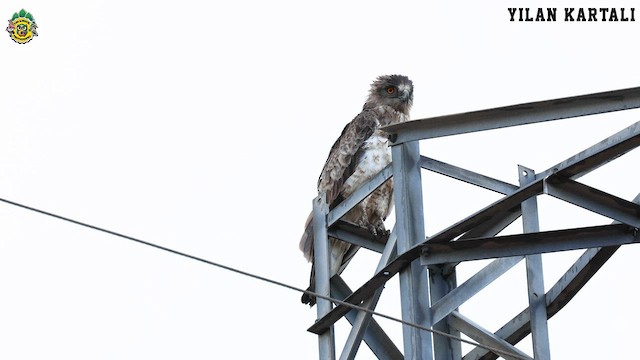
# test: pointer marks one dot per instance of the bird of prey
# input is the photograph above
(361, 151)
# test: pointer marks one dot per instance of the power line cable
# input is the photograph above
(262, 278)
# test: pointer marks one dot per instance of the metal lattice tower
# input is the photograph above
(430, 295)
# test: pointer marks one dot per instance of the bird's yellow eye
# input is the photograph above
(391, 90)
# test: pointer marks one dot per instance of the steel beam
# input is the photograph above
(441, 284)
(499, 209)
(492, 226)
(467, 176)
(594, 200)
(414, 284)
(375, 338)
(597, 155)
(443, 280)
(527, 244)
(357, 235)
(514, 115)
(366, 291)
(485, 337)
(535, 274)
(362, 320)
(322, 259)
(458, 296)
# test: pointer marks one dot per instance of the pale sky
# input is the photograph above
(203, 126)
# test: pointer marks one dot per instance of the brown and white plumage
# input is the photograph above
(361, 151)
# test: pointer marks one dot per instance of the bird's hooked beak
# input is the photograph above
(406, 95)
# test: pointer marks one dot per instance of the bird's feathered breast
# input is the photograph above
(361, 141)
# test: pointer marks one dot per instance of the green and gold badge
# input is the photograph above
(22, 27)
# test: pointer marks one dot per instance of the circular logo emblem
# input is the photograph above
(22, 27)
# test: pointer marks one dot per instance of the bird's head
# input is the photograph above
(395, 91)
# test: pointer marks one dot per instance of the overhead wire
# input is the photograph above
(262, 278)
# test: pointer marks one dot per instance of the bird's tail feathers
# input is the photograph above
(306, 241)
(308, 298)
(306, 246)
(341, 255)
(340, 252)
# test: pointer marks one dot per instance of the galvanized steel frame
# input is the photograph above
(430, 295)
